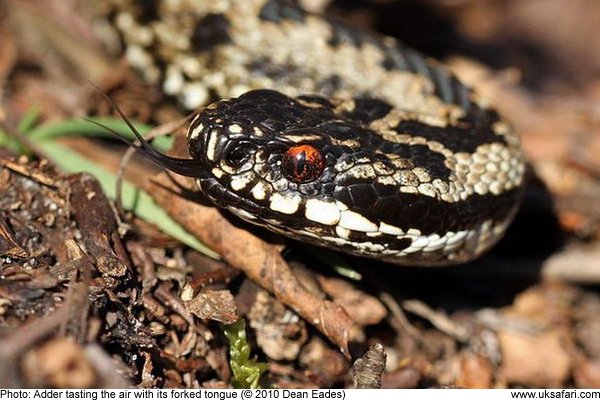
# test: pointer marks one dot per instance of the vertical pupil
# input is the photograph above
(300, 164)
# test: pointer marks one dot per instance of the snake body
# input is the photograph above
(327, 134)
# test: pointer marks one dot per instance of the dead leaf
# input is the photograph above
(216, 305)
(280, 333)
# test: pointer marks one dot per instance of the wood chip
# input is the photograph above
(534, 360)
(362, 308)
(216, 305)
(280, 333)
(59, 363)
(476, 372)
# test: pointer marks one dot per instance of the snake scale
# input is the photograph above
(325, 133)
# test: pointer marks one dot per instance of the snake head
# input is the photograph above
(322, 171)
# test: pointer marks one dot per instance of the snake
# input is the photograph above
(325, 133)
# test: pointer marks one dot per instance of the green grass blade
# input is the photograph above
(9, 143)
(81, 127)
(27, 122)
(29, 119)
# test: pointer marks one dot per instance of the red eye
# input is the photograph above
(303, 163)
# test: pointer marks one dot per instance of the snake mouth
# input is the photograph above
(218, 193)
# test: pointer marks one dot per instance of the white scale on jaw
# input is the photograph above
(285, 204)
(356, 222)
(323, 212)
(239, 182)
(259, 191)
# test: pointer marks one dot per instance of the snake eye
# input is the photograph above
(302, 163)
(238, 155)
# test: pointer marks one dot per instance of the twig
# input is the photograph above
(398, 319)
(437, 319)
(27, 172)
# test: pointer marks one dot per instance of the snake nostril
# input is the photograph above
(303, 163)
(239, 154)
